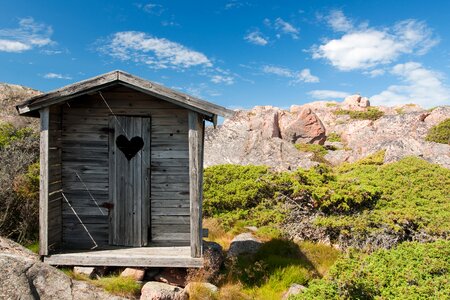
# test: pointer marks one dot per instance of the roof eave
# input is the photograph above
(29, 107)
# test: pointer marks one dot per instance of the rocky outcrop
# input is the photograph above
(254, 138)
(266, 135)
(24, 277)
(10, 96)
(355, 102)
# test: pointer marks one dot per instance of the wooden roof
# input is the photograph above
(31, 106)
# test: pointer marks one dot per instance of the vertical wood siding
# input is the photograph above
(85, 166)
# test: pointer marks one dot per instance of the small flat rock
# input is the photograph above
(135, 273)
(88, 271)
(154, 290)
(244, 243)
(293, 290)
(201, 290)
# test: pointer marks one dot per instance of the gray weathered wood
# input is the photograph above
(195, 187)
(130, 257)
(119, 77)
(43, 182)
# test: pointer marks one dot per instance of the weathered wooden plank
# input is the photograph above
(176, 195)
(145, 257)
(169, 203)
(43, 182)
(170, 220)
(195, 186)
(163, 178)
(170, 154)
(170, 187)
(172, 211)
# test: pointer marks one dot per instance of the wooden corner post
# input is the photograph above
(43, 182)
(196, 128)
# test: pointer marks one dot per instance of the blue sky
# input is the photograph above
(237, 53)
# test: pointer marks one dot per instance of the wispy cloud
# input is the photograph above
(157, 53)
(56, 76)
(296, 77)
(284, 27)
(365, 47)
(228, 80)
(152, 8)
(328, 95)
(339, 22)
(420, 85)
(235, 4)
(27, 36)
(256, 38)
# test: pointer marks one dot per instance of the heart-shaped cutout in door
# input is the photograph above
(129, 147)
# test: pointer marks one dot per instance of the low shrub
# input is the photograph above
(319, 151)
(19, 183)
(410, 271)
(372, 113)
(334, 137)
(440, 133)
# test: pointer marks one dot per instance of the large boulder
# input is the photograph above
(302, 126)
(154, 290)
(244, 243)
(23, 276)
(356, 101)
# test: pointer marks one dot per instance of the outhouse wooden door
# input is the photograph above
(129, 180)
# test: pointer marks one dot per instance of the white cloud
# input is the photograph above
(256, 38)
(56, 76)
(158, 53)
(278, 71)
(152, 8)
(228, 80)
(306, 76)
(28, 35)
(375, 72)
(327, 94)
(338, 21)
(286, 28)
(421, 86)
(364, 48)
(301, 76)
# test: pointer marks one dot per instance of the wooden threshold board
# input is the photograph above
(129, 257)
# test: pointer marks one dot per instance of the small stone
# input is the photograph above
(154, 290)
(293, 290)
(87, 271)
(200, 287)
(135, 273)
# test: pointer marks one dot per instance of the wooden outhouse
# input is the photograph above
(121, 163)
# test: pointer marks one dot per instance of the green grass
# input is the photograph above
(319, 151)
(410, 271)
(372, 113)
(279, 264)
(440, 133)
(334, 137)
(114, 284)
(34, 247)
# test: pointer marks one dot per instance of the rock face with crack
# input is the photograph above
(267, 135)
(24, 277)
